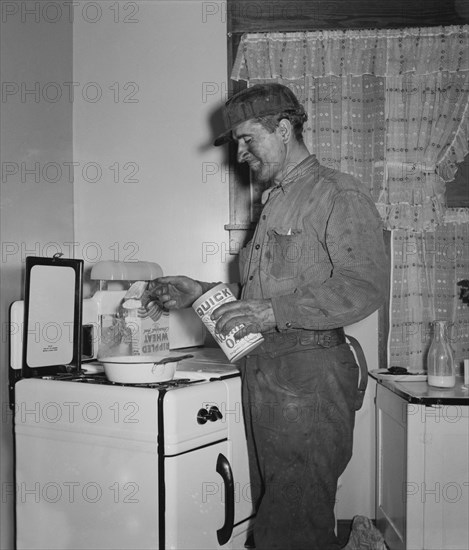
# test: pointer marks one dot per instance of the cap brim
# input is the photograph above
(223, 138)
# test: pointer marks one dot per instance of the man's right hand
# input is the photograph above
(174, 292)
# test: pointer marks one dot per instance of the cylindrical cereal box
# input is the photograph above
(205, 306)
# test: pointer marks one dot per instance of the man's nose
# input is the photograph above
(242, 152)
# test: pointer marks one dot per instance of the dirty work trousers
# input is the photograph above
(299, 411)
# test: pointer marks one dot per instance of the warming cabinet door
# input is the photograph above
(200, 499)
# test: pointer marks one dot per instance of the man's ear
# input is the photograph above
(285, 129)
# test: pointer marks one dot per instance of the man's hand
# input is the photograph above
(173, 292)
(255, 315)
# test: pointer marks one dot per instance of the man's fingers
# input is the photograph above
(230, 308)
(226, 324)
(246, 330)
(159, 290)
(245, 323)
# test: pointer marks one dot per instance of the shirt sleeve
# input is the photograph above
(359, 278)
(234, 287)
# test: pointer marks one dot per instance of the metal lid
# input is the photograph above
(126, 271)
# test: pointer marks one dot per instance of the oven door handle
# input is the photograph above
(224, 469)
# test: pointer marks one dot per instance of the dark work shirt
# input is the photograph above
(318, 250)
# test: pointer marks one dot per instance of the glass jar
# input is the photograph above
(440, 359)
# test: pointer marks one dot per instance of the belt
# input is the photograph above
(278, 343)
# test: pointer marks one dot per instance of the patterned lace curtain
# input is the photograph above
(425, 270)
(390, 107)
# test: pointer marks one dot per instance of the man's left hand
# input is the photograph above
(255, 315)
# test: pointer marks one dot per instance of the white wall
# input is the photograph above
(36, 199)
(169, 52)
(160, 123)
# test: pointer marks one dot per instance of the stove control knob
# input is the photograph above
(202, 416)
(213, 414)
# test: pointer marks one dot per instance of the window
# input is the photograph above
(457, 191)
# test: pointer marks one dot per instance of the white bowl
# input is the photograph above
(139, 369)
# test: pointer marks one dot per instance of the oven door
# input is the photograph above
(199, 503)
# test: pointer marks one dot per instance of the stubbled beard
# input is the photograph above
(261, 173)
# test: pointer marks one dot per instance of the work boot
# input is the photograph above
(364, 536)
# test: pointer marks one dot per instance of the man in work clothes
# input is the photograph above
(316, 263)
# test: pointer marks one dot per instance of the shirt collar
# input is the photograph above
(293, 175)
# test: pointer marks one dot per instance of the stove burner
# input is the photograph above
(100, 378)
(159, 385)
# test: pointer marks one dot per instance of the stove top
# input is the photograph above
(100, 378)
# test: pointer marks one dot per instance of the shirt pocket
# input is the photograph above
(283, 254)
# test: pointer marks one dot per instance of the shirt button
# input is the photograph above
(288, 325)
(263, 216)
(251, 277)
(257, 246)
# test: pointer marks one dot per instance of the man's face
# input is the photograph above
(264, 151)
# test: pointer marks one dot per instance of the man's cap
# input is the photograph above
(258, 101)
